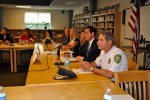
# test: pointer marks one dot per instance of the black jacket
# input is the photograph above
(8, 37)
(93, 53)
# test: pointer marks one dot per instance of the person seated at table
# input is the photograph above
(82, 38)
(66, 37)
(5, 37)
(48, 37)
(82, 44)
(74, 42)
(27, 36)
(25, 55)
(111, 59)
(89, 52)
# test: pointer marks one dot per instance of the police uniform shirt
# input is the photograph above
(115, 60)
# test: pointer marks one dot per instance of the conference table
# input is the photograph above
(18, 47)
(93, 90)
(8, 48)
(13, 52)
(43, 73)
(40, 84)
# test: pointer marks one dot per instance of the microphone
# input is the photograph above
(11, 40)
(58, 53)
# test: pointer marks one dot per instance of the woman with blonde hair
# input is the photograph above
(74, 43)
(82, 38)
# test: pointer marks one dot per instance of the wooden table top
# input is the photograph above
(15, 45)
(63, 91)
(4, 46)
(37, 76)
(43, 73)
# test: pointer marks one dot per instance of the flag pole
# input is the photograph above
(138, 31)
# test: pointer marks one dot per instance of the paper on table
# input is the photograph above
(122, 97)
(81, 71)
(61, 52)
(70, 59)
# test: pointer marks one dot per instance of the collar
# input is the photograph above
(91, 41)
(110, 51)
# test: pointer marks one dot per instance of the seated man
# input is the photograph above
(111, 59)
(5, 37)
(90, 49)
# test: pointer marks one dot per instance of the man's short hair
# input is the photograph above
(109, 36)
(5, 28)
(92, 29)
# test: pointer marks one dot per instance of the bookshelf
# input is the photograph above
(80, 23)
(109, 21)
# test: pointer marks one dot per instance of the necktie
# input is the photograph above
(88, 49)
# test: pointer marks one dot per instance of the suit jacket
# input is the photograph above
(8, 37)
(93, 53)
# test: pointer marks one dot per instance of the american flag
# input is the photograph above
(134, 24)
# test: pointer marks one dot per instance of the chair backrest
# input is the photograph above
(132, 65)
(135, 83)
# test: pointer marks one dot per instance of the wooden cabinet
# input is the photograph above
(111, 22)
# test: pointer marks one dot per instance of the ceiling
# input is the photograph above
(44, 4)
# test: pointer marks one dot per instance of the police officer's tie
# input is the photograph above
(88, 49)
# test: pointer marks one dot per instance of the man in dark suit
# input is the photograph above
(5, 37)
(90, 50)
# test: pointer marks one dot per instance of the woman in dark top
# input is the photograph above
(74, 43)
(48, 37)
(66, 37)
(82, 42)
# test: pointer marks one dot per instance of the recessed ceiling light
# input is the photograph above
(23, 6)
(71, 3)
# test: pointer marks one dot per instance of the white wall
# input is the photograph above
(79, 10)
(14, 18)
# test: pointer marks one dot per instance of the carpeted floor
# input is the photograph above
(8, 78)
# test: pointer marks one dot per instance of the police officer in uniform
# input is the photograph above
(111, 59)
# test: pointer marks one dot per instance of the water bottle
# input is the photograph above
(54, 56)
(2, 94)
(67, 62)
(108, 95)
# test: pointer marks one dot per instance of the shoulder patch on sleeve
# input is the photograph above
(117, 58)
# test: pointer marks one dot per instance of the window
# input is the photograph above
(37, 20)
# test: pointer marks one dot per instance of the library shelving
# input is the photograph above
(109, 21)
